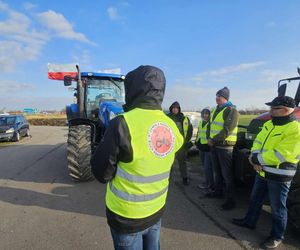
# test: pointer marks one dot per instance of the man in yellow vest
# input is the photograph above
(274, 156)
(135, 157)
(205, 154)
(186, 129)
(222, 134)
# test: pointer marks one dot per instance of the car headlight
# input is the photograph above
(11, 130)
(112, 115)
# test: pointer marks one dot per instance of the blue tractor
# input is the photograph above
(99, 98)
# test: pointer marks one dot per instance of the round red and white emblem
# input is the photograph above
(161, 139)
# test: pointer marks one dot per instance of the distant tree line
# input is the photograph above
(255, 111)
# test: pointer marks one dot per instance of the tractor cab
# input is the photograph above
(257, 123)
(104, 95)
(101, 96)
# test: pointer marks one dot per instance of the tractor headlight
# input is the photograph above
(112, 115)
(11, 130)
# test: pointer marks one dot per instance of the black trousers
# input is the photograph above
(181, 158)
(222, 163)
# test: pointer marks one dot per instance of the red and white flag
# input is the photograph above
(58, 71)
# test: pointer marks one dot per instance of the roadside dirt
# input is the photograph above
(47, 121)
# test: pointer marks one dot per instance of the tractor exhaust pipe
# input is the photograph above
(80, 94)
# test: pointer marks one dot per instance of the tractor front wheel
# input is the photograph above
(79, 153)
(293, 203)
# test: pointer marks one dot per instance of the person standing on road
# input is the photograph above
(135, 157)
(205, 154)
(222, 134)
(274, 156)
(186, 129)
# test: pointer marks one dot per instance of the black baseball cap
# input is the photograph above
(285, 101)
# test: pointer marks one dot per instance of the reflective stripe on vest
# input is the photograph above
(217, 124)
(139, 188)
(278, 171)
(201, 134)
(136, 197)
(141, 179)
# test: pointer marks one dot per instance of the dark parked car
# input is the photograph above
(13, 127)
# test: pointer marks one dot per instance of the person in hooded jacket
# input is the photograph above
(222, 136)
(186, 129)
(135, 158)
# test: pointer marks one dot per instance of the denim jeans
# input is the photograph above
(278, 193)
(208, 169)
(148, 239)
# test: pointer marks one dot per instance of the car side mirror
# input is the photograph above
(67, 80)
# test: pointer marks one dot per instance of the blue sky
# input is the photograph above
(202, 46)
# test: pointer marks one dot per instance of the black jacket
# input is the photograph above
(144, 88)
(178, 119)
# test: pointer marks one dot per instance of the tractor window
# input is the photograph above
(103, 90)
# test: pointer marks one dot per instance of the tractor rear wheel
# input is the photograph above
(293, 203)
(79, 153)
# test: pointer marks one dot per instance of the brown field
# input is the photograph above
(61, 119)
(47, 119)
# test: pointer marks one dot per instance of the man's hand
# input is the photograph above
(210, 142)
(257, 167)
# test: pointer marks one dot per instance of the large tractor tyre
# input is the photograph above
(293, 203)
(79, 153)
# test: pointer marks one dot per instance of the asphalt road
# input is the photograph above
(41, 208)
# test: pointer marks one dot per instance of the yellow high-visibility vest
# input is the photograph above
(216, 125)
(278, 149)
(201, 134)
(139, 188)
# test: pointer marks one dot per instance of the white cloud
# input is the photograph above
(219, 74)
(29, 6)
(15, 102)
(12, 53)
(125, 4)
(3, 6)
(193, 97)
(250, 84)
(84, 58)
(110, 71)
(7, 87)
(113, 13)
(273, 76)
(57, 23)
(20, 41)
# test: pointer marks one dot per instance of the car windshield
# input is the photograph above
(101, 90)
(4, 121)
